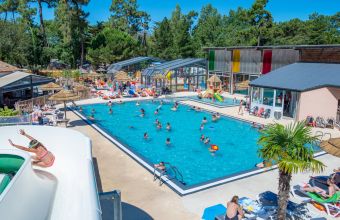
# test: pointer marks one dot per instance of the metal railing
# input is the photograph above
(15, 120)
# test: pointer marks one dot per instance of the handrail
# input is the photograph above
(177, 174)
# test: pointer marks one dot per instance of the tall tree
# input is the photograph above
(126, 17)
(181, 27)
(261, 21)
(208, 31)
(162, 40)
(287, 146)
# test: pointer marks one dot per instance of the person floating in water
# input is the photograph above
(146, 136)
(202, 126)
(168, 126)
(142, 112)
(159, 126)
(202, 138)
(156, 112)
(207, 140)
(110, 111)
(92, 117)
(167, 142)
(261, 127)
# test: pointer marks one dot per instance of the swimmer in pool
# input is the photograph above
(159, 126)
(137, 104)
(109, 103)
(207, 140)
(160, 166)
(110, 111)
(253, 124)
(168, 126)
(142, 112)
(156, 121)
(204, 120)
(92, 117)
(93, 111)
(167, 142)
(218, 116)
(202, 138)
(156, 112)
(202, 127)
(80, 109)
(146, 136)
(214, 118)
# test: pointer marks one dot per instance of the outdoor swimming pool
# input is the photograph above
(236, 139)
(226, 101)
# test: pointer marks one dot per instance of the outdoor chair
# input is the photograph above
(254, 110)
(330, 123)
(320, 122)
(266, 113)
(329, 205)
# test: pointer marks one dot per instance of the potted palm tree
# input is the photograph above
(287, 146)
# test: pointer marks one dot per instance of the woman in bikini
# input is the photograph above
(43, 157)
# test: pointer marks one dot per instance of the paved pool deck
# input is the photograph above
(118, 171)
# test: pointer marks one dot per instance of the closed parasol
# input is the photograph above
(332, 146)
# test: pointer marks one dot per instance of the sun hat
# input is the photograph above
(33, 143)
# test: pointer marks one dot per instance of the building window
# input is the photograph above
(268, 97)
(256, 95)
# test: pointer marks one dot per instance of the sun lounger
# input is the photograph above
(254, 110)
(320, 122)
(330, 204)
(260, 112)
(212, 212)
(330, 123)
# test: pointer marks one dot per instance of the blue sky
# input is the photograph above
(281, 10)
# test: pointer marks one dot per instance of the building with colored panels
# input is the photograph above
(237, 66)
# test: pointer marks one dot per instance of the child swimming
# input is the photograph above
(202, 138)
(168, 126)
(110, 111)
(167, 142)
(146, 136)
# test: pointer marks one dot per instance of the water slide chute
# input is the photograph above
(218, 97)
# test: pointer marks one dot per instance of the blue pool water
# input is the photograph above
(236, 139)
(226, 101)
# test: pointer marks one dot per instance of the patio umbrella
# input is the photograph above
(79, 88)
(64, 96)
(50, 87)
(122, 76)
(214, 79)
(332, 146)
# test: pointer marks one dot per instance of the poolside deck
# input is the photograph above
(118, 171)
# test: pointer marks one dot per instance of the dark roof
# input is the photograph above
(115, 67)
(174, 64)
(295, 47)
(301, 77)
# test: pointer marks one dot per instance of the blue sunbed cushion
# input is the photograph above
(212, 211)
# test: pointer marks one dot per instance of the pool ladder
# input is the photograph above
(175, 174)
(321, 135)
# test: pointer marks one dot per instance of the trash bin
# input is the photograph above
(277, 115)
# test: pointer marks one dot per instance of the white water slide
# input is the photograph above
(67, 190)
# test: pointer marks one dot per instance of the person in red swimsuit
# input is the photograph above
(43, 157)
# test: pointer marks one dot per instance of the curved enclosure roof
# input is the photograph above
(164, 68)
(115, 67)
(301, 77)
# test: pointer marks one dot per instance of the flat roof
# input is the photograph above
(13, 77)
(295, 47)
(301, 77)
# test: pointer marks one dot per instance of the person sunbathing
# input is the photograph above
(43, 157)
(332, 189)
